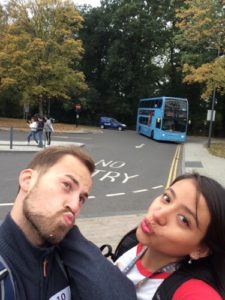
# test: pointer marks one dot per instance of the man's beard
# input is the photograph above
(48, 232)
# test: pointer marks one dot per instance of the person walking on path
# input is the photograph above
(40, 128)
(48, 129)
(52, 190)
(33, 130)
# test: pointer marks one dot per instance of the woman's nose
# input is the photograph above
(160, 216)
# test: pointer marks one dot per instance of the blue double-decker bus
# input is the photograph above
(163, 118)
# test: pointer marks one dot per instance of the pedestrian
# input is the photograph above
(52, 190)
(33, 130)
(48, 128)
(40, 128)
(181, 237)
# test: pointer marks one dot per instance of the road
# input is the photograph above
(131, 170)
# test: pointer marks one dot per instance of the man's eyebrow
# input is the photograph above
(187, 209)
(73, 179)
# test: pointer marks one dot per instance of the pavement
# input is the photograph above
(110, 229)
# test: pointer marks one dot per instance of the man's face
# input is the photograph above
(54, 200)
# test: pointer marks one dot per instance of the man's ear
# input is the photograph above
(25, 179)
(200, 252)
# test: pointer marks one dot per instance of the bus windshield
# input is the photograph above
(175, 116)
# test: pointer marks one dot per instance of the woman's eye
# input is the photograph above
(184, 220)
(166, 198)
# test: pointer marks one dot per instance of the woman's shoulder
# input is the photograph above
(195, 289)
(126, 257)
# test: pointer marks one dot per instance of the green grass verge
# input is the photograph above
(217, 149)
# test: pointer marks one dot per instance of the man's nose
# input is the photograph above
(74, 204)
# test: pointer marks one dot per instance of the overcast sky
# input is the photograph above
(78, 2)
(91, 2)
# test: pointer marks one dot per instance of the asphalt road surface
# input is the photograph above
(131, 170)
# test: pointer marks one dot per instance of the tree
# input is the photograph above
(202, 40)
(129, 47)
(40, 51)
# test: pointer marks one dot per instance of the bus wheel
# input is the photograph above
(102, 126)
(120, 128)
(152, 135)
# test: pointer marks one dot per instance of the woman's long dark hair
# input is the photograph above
(214, 194)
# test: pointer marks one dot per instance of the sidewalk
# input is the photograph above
(20, 146)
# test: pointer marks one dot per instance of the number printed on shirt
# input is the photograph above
(64, 294)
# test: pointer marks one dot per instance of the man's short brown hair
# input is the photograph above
(46, 158)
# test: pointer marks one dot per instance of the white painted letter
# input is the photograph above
(118, 164)
(96, 172)
(104, 164)
(128, 177)
(111, 175)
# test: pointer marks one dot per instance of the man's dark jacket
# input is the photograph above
(38, 274)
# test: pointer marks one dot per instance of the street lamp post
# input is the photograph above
(212, 109)
(211, 117)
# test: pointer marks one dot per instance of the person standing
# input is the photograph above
(52, 190)
(33, 130)
(48, 129)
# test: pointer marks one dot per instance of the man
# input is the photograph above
(40, 228)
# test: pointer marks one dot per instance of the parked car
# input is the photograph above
(107, 122)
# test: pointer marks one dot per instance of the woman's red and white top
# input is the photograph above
(193, 289)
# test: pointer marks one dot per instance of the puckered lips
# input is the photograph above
(146, 226)
(69, 218)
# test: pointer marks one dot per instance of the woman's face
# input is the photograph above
(175, 223)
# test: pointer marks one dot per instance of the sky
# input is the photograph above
(93, 3)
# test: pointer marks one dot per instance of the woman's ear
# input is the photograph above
(200, 252)
(25, 179)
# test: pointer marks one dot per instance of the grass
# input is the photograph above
(217, 149)
(22, 125)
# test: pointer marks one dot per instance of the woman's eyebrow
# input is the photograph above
(184, 207)
(189, 211)
(172, 192)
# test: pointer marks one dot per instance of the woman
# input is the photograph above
(48, 128)
(183, 231)
(33, 129)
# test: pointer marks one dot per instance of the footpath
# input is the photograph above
(110, 229)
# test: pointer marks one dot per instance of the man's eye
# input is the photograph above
(67, 185)
(82, 200)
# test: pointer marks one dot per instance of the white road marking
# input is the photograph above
(134, 192)
(157, 187)
(140, 146)
(140, 191)
(113, 195)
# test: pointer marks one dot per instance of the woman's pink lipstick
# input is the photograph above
(146, 226)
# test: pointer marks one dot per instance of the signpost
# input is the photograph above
(77, 107)
(212, 114)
